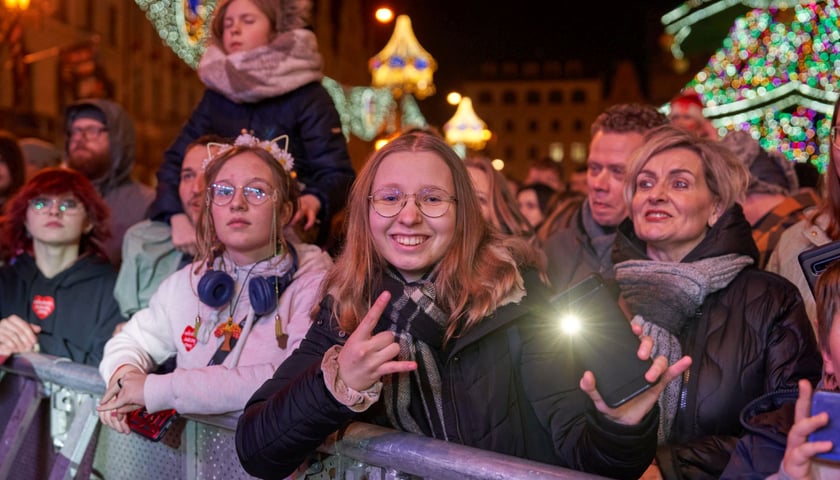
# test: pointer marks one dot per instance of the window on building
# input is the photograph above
(509, 152)
(485, 97)
(533, 97)
(578, 126)
(578, 96)
(532, 152)
(510, 126)
(578, 152)
(509, 97)
(555, 96)
(555, 125)
(533, 126)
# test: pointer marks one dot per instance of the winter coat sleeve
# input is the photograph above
(326, 171)
(292, 414)
(167, 202)
(583, 438)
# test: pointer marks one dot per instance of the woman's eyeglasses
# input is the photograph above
(432, 202)
(69, 206)
(255, 193)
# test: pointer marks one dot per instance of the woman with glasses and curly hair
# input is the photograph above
(56, 291)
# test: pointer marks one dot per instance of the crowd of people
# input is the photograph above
(216, 293)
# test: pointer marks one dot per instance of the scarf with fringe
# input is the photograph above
(419, 326)
(290, 61)
(664, 297)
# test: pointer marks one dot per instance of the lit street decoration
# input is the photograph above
(776, 75)
(466, 128)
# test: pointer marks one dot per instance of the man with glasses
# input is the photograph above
(100, 145)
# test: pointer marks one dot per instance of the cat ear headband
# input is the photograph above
(246, 139)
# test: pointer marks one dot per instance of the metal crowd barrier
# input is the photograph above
(50, 430)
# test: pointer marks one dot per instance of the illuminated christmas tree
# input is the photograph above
(777, 75)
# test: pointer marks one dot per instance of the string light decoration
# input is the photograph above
(184, 25)
(777, 75)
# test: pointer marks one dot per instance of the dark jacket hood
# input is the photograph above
(122, 140)
(731, 234)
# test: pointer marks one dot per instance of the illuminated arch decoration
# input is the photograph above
(365, 111)
(777, 75)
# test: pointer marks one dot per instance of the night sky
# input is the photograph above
(461, 34)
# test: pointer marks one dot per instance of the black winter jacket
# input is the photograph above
(536, 411)
(76, 309)
(748, 339)
(307, 115)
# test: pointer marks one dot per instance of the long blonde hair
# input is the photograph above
(480, 268)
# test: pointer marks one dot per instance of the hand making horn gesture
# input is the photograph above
(366, 357)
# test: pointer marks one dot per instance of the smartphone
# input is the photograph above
(825, 401)
(151, 425)
(816, 260)
(599, 336)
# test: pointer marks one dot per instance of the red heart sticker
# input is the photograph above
(188, 337)
(43, 306)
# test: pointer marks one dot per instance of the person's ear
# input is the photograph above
(285, 213)
(717, 212)
(829, 375)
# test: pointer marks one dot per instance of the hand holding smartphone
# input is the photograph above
(600, 337)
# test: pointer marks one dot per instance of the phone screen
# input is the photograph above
(825, 401)
(599, 335)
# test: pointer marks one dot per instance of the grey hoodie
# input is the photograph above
(128, 199)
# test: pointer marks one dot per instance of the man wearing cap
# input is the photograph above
(100, 144)
(774, 200)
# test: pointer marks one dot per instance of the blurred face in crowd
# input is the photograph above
(577, 183)
(529, 205)
(411, 241)
(191, 187)
(89, 149)
(688, 117)
(481, 185)
(246, 27)
(5, 177)
(545, 176)
(672, 206)
(609, 153)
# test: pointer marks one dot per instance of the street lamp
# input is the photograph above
(465, 130)
(403, 66)
(16, 4)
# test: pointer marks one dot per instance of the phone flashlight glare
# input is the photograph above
(570, 323)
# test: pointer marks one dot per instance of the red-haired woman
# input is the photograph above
(57, 287)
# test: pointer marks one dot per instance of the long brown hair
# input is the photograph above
(479, 269)
(830, 205)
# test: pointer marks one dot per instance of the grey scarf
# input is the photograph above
(664, 296)
(290, 61)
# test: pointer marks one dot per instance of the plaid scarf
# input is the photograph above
(413, 400)
(290, 61)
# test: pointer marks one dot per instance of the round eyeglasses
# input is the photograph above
(255, 193)
(88, 133)
(432, 202)
(69, 206)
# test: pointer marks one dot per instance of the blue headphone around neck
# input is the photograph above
(216, 288)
